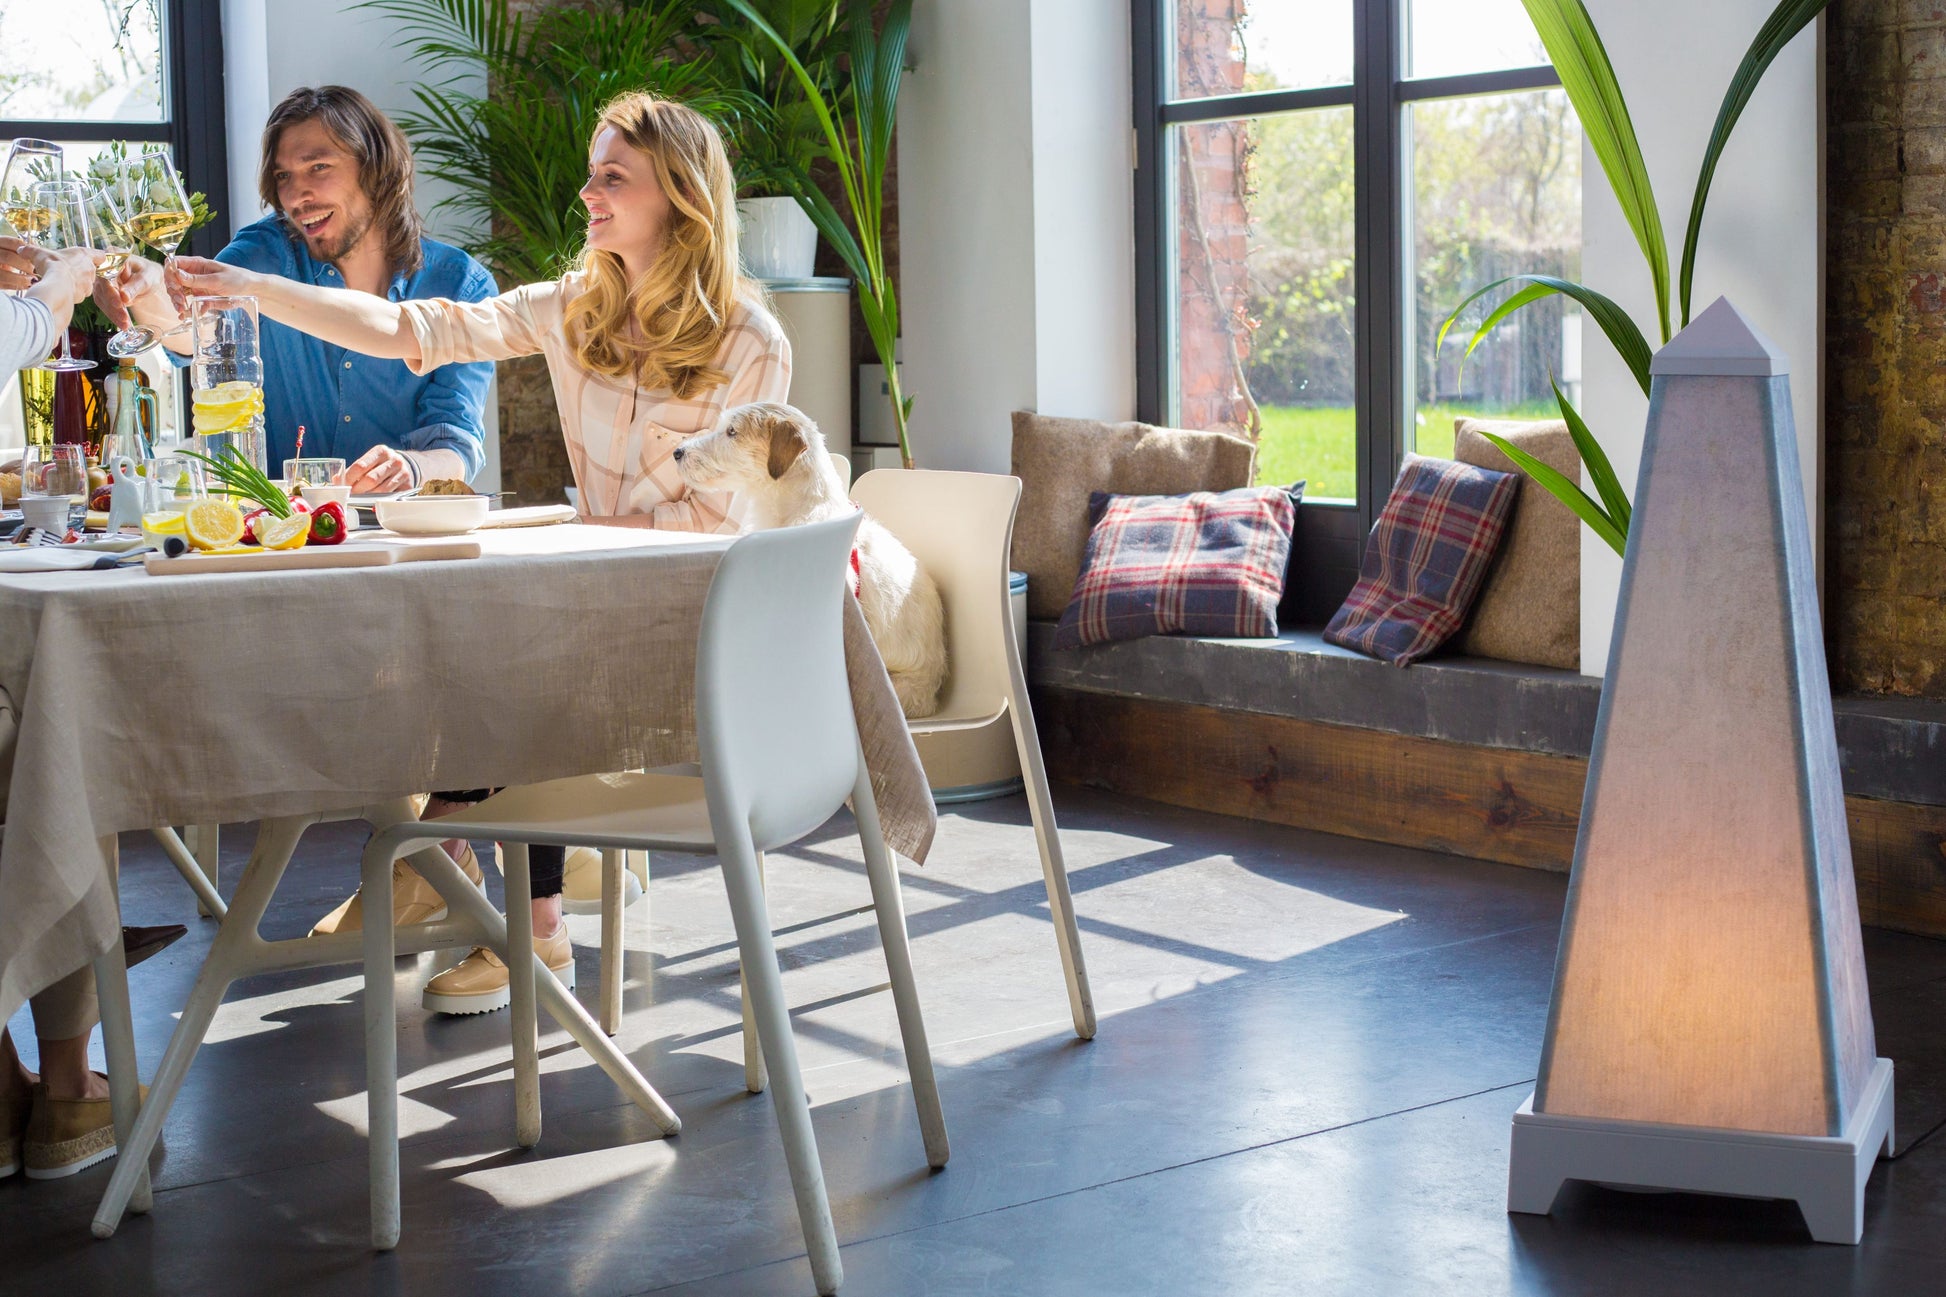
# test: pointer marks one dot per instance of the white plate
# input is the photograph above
(432, 515)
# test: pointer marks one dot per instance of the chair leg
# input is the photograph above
(611, 941)
(118, 1043)
(381, 1049)
(889, 905)
(1054, 869)
(758, 953)
(205, 841)
(208, 903)
(520, 994)
(754, 1079)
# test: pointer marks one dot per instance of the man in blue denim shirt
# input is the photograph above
(339, 175)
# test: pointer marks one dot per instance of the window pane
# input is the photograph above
(1445, 38)
(1264, 291)
(1496, 192)
(1228, 47)
(94, 60)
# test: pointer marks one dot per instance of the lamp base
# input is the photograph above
(1824, 1175)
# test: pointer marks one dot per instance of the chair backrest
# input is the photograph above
(960, 527)
(774, 722)
(843, 464)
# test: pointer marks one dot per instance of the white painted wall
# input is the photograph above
(1016, 221)
(270, 48)
(1762, 242)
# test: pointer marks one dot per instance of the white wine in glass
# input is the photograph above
(159, 214)
(68, 226)
(29, 162)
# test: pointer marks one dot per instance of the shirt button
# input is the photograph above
(347, 418)
(347, 364)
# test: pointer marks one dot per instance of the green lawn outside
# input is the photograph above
(1316, 443)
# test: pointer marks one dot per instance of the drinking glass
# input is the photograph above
(311, 472)
(65, 203)
(29, 162)
(159, 214)
(174, 482)
(57, 470)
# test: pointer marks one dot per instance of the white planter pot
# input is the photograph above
(777, 239)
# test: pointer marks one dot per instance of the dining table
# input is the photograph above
(142, 701)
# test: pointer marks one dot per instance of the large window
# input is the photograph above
(1321, 183)
(91, 71)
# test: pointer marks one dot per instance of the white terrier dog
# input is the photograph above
(774, 458)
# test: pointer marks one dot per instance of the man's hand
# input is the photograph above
(139, 289)
(16, 268)
(377, 470)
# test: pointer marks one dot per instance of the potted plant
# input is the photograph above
(857, 131)
(779, 136)
(1589, 78)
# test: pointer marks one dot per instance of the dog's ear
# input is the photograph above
(787, 442)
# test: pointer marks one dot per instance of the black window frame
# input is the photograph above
(195, 128)
(1330, 536)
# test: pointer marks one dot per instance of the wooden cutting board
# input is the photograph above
(370, 553)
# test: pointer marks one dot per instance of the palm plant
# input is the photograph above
(858, 142)
(779, 137)
(1582, 62)
(517, 155)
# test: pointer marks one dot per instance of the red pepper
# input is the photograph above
(250, 525)
(327, 524)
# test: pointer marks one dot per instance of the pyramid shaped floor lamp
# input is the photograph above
(1710, 1029)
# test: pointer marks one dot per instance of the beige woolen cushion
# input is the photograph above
(1529, 609)
(1060, 461)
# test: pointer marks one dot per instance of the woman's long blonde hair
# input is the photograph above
(681, 308)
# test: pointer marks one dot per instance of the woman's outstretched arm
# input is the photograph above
(359, 322)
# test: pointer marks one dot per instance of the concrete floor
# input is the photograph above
(1309, 1051)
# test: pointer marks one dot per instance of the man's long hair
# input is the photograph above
(666, 328)
(384, 163)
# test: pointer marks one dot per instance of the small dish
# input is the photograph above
(432, 515)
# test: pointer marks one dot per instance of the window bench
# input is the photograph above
(1478, 758)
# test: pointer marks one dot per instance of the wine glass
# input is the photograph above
(159, 214)
(113, 238)
(68, 226)
(29, 162)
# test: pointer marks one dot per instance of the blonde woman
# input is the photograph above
(648, 340)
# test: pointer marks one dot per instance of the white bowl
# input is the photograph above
(432, 515)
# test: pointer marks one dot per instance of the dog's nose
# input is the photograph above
(677, 454)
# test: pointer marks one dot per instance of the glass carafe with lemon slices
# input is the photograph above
(227, 379)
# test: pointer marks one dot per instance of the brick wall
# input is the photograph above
(1213, 227)
(1885, 414)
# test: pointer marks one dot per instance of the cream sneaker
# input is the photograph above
(581, 881)
(67, 1135)
(478, 983)
(414, 900)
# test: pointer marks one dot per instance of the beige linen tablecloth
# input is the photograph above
(149, 701)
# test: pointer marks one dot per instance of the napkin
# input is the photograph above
(47, 558)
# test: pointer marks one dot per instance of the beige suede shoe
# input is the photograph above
(414, 900)
(14, 1110)
(67, 1135)
(478, 983)
(581, 881)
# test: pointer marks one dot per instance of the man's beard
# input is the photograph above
(339, 248)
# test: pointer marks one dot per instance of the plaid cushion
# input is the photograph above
(1425, 560)
(1209, 563)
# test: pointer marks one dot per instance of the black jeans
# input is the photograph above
(545, 864)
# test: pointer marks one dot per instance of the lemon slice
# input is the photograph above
(212, 524)
(235, 390)
(284, 533)
(163, 522)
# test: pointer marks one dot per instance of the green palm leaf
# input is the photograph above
(1785, 22)
(1595, 460)
(1565, 491)
(1582, 63)
(1612, 319)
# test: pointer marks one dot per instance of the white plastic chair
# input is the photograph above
(960, 526)
(780, 754)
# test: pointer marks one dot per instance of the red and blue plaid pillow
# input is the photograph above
(1209, 563)
(1425, 560)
